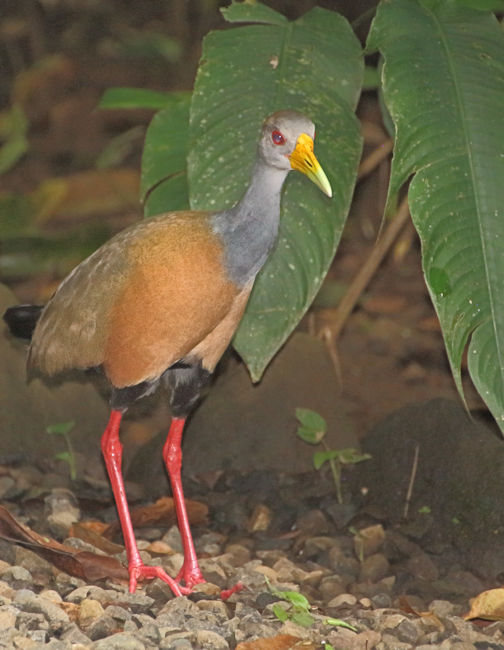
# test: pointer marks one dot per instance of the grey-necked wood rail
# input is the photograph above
(160, 302)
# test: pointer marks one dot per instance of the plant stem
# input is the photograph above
(71, 458)
(336, 472)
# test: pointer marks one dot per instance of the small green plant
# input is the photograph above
(299, 609)
(424, 510)
(63, 429)
(313, 430)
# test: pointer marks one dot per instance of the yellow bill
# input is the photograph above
(303, 160)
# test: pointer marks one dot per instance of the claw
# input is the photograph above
(141, 572)
(191, 575)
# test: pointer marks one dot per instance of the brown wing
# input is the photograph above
(141, 302)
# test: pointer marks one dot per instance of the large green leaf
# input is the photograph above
(443, 82)
(313, 65)
(164, 164)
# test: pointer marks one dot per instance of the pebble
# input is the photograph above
(61, 511)
(374, 568)
(56, 612)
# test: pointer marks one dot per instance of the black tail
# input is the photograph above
(21, 320)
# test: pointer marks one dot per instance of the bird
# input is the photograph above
(158, 304)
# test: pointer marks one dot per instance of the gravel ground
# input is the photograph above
(374, 578)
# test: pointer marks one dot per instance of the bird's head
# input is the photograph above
(287, 143)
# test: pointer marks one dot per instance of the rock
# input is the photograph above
(30, 602)
(89, 611)
(8, 617)
(407, 632)
(459, 475)
(61, 511)
(348, 568)
(331, 587)
(211, 640)
(218, 608)
(74, 635)
(343, 600)
(170, 643)
(423, 567)
(374, 568)
(369, 540)
(102, 627)
(313, 522)
(17, 577)
(260, 519)
(120, 641)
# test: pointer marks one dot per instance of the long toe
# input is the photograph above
(142, 572)
(191, 575)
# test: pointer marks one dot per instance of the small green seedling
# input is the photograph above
(299, 607)
(299, 610)
(63, 429)
(313, 430)
(424, 510)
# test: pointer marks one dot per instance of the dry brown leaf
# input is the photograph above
(406, 607)
(161, 513)
(278, 642)
(488, 605)
(82, 564)
(90, 535)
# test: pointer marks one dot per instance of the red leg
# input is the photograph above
(112, 453)
(172, 454)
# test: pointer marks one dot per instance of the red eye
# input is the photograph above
(277, 137)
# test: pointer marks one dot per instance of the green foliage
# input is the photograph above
(313, 65)
(63, 429)
(298, 609)
(441, 92)
(13, 137)
(312, 430)
(443, 83)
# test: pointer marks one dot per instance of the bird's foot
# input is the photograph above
(142, 572)
(190, 574)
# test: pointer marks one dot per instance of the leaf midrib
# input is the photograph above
(463, 117)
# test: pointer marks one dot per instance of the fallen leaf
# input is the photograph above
(488, 605)
(162, 512)
(278, 642)
(90, 535)
(82, 564)
(406, 607)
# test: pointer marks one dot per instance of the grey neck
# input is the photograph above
(249, 230)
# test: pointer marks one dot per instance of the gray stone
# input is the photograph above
(407, 632)
(102, 627)
(171, 643)
(30, 602)
(120, 641)
(61, 511)
(73, 634)
(117, 612)
(211, 640)
(17, 576)
(8, 615)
